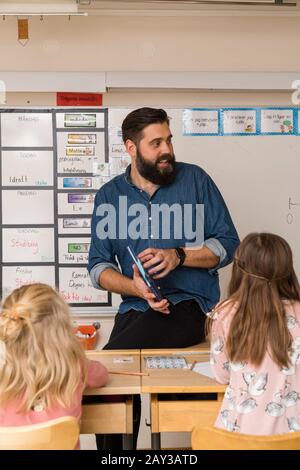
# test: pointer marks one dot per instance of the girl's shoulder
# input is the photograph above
(292, 308)
(223, 310)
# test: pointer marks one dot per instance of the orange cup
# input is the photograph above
(88, 342)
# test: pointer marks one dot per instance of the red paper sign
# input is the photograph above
(78, 99)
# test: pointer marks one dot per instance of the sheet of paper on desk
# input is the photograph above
(203, 368)
(165, 362)
(123, 360)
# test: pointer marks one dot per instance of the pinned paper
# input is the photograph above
(101, 169)
(123, 360)
(23, 31)
(165, 362)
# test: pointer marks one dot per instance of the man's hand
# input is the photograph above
(144, 292)
(165, 260)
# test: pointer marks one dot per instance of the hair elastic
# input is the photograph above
(12, 315)
(257, 275)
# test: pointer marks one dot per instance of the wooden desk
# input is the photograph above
(113, 417)
(169, 415)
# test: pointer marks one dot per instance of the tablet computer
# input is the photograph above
(146, 277)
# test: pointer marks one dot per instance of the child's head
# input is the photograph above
(263, 260)
(41, 359)
(262, 277)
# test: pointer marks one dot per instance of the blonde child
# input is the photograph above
(255, 340)
(43, 369)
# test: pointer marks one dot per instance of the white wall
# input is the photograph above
(106, 43)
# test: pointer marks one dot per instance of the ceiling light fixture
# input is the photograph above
(27, 14)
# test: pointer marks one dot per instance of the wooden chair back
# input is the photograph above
(57, 434)
(210, 438)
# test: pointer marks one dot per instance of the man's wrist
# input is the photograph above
(181, 255)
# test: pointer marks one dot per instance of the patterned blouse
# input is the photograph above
(261, 400)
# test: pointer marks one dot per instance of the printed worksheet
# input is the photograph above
(27, 168)
(28, 245)
(76, 287)
(74, 225)
(26, 129)
(73, 250)
(27, 206)
(75, 203)
(165, 362)
(16, 276)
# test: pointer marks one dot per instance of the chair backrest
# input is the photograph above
(210, 438)
(57, 434)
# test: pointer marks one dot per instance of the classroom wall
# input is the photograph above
(112, 43)
(167, 98)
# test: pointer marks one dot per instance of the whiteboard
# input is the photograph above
(258, 176)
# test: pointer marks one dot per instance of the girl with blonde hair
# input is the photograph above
(43, 368)
(255, 340)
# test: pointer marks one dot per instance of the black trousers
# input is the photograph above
(183, 327)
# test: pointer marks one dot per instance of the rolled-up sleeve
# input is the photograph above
(216, 247)
(97, 270)
(102, 254)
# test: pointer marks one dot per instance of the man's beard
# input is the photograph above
(152, 172)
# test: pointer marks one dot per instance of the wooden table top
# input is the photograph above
(178, 380)
(118, 360)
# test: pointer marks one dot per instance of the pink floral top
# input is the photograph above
(261, 400)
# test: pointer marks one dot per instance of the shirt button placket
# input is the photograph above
(150, 223)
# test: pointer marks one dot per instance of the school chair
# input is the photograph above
(57, 434)
(210, 438)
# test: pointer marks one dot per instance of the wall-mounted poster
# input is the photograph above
(26, 129)
(27, 168)
(73, 250)
(277, 121)
(239, 122)
(80, 119)
(28, 245)
(201, 121)
(75, 203)
(27, 207)
(17, 276)
(76, 287)
(74, 225)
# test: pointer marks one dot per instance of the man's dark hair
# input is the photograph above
(137, 120)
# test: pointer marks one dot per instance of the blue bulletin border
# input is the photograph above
(200, 133)
(296, 121)
(258, 111)
(278, 108)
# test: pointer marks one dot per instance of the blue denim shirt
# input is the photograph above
(191, 186)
